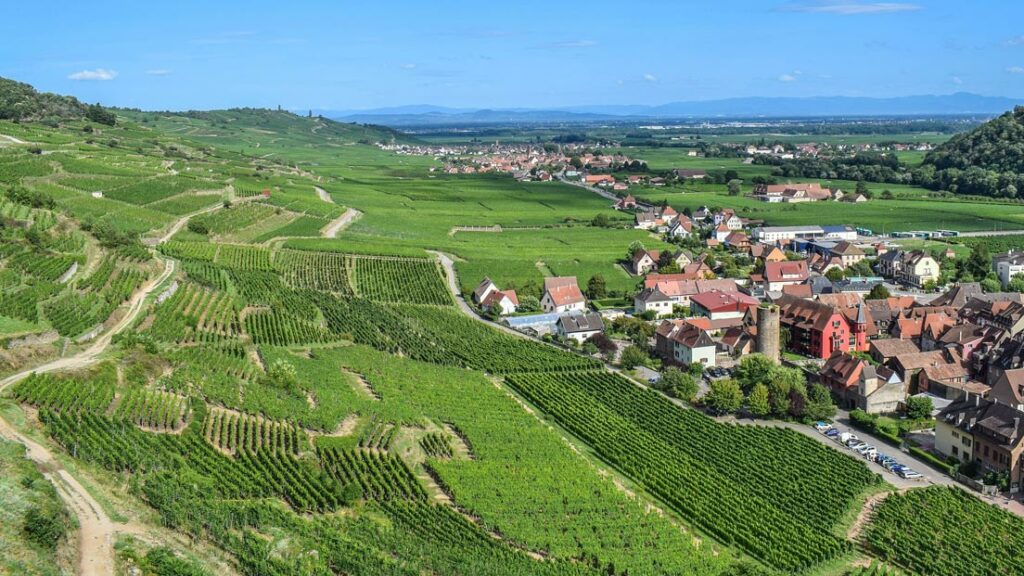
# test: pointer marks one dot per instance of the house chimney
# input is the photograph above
(977, 400)
(974, 420)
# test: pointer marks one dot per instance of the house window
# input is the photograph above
(986, 451)
(966, 441)
(956, 452)
(956, 435)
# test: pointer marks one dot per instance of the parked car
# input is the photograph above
(833, 433)
(909, 474)
(822, 427)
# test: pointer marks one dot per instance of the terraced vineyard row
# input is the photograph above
(413, 281)
(45, 391)
(380, 476)
(436, 445)
(770, 491)
(196, 314)
(233, 432)
(323, 271)
(152, 409)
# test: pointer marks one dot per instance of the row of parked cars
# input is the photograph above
(867, 451)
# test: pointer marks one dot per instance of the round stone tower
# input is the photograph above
(768, 331)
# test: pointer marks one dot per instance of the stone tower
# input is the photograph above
(768, 331)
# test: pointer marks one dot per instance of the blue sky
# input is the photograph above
(348, 55)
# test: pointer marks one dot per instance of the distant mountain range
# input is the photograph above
(781, 107)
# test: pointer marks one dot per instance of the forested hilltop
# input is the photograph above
(21, 102)
(988, 160)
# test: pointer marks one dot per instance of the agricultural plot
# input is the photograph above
(769, 491)
(159, 188)
(436, 445)
(234, 218)
(185, 203)
(152, 409)
(943, 530)
(323, 271)
(379, 476)
(196, 314)
(232, 432)
(64, 394)
(243, 257)
(283, 329)
(400, 280)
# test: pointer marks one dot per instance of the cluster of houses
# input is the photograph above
(802, 192)
(564, 307)
(815, 149)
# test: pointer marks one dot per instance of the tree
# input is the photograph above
(991, 285)
(528, 303)
(634, 247)
(604, 344)
(754, 369)
(835, 274)
(596, 287)
(632, 357)
(1016, 283)
(733, 187)
(675, 382)
(724, 396)
(757, 402)
(919, 407)
(930, 286)
(878, 292)
(862, 187)
(100, 115)
(797, 402)
(819, 403)
(979, 262)
(601, 221)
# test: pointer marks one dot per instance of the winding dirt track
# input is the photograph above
(96, 530)
(339, 223)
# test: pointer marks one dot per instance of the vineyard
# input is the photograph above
(767, 490)
(155, 410)
(64, 394)
(436, 445)
(380, 476)
(196, 314)
(943, 530)
(401, 280)
(232, 432)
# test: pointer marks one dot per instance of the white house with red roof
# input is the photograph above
(505, 302)
(722, 305)
(562, 294)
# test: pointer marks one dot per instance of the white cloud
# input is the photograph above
(851, 7)
(787, 78)
(97, 74)
(159, 72)
(650, 78)
(619, 82)
(958, 80)
(408, 66)
(1019, 40)
(1015, 69)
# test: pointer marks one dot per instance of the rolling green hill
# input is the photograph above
(988, 160)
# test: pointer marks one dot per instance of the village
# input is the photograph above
(860, 315)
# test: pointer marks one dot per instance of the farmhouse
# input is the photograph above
(580, 327)
(767, 253)
(681, 228)
(728, 218)
(644, 261)
(483, 290)
(562, 294)
(848, 253)
(503, 301)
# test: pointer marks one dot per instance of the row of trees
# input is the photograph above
(765, 389)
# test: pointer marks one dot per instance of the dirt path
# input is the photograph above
(11, 139)
(339, 223)
(323, 195)
(865, 515)
(96, 530)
